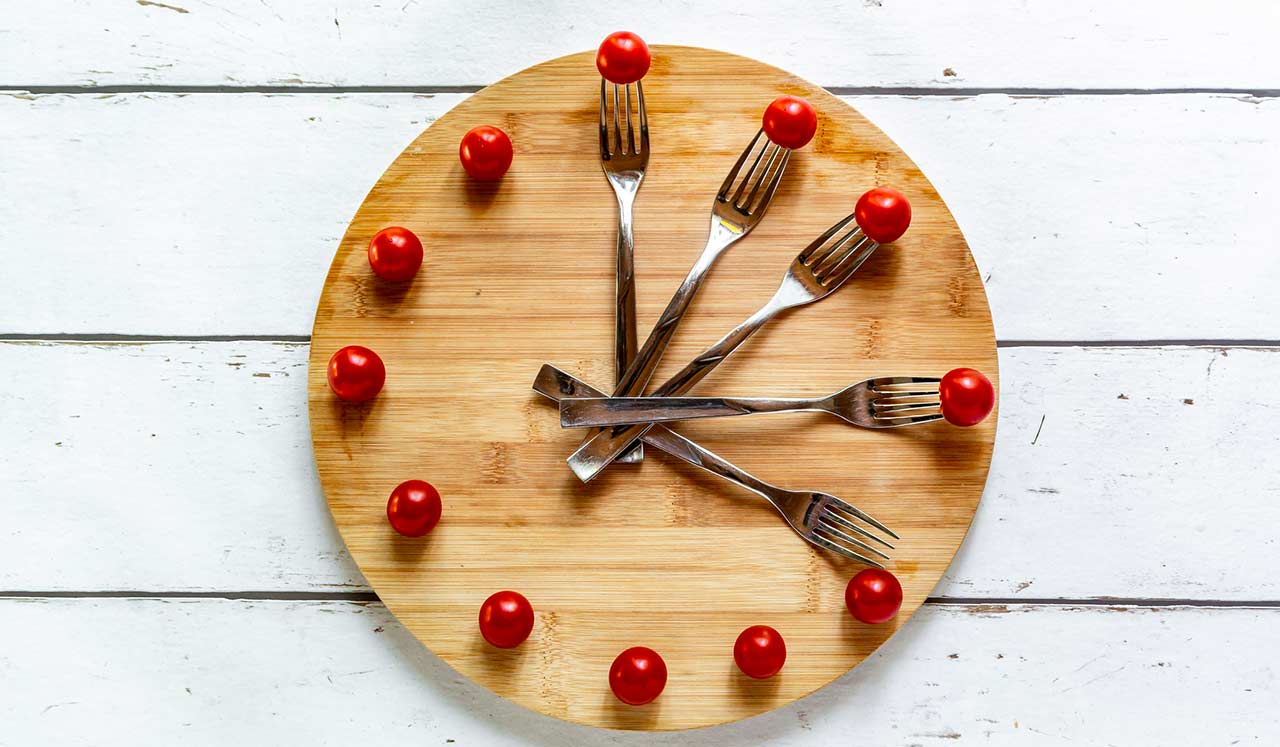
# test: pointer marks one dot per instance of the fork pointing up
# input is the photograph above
(816, 273)
(624, 155)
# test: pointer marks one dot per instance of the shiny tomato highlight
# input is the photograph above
(486, 153)
(873, 596)
(414, 508)
(638, 676)
(967, 396)
(790, 121)
(883, 213)
(506, 619)
(356, 374)
(623, 58)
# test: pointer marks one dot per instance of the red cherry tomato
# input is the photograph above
(967, 396)
(485, 153)
(395, 254)
(356, 374)
(790, 121)
(506, 619)
(414, 508)
(623, 58)
(638, 675)
(873, 596)
(759, 651)
(883, 213)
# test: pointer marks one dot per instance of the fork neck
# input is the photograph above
(721, 236)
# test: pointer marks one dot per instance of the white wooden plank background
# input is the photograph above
(877, 43)
(1085, 213)
(218, 672)
(217, 451)
(167, 216)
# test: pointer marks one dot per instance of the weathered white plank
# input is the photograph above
(416, 42)
(187, 467)
(1094, 217)
(195, 672)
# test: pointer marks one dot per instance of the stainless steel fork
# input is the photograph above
(624, 154)
(820, 518)
(882, 402)
(738, 207)
(815, 273)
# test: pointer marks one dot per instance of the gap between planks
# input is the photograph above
(369, 597)
(837, 90)
(132, 339)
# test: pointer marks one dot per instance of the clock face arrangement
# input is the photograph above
(655, 566)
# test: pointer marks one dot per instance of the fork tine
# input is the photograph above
(894, 380)
(644, 117)
(836, 503)
(849, 265)
(824, 259)
(767, 197)
(755, 187)
(896, 422)
(903, 398)
(827, 544)
(836, 532)
(821, 241)
(824, 269)
(750, 175)
(834, 518)
(604, 123)
(617, 128)
(903, 407)
(733, 173)
(631, 135)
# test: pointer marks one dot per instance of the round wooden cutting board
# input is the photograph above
(660, 554)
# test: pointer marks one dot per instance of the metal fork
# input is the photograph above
(821, 519)
(815, 273)
(623, 160)
(739, 205)
(882, 402)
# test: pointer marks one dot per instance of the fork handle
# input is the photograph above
(610, 411)
(624, 318)
(646, 361)
(562, 387)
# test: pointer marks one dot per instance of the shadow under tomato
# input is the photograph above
(498, 663)
(760, 694)
(409, 549)
(480, 194)
(623, 716)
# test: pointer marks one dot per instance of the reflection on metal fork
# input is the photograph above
(623, 160)
(741, 202)
(883, 402)
(820, 269)
(821, 519)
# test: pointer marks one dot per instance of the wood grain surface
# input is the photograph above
(520, 272)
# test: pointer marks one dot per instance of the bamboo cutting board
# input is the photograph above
(659, 554)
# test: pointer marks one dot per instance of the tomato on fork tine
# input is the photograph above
(790, 121)
(623, 58)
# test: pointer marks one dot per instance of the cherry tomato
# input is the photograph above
(623, 58)
(356, 374)
(395, 254)
(506, 619)
(967, 396)
(873, 596)
(759, 651)
(414, 508)
(883, 213)
(485, 153)
(638, 675)
(790, 121)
